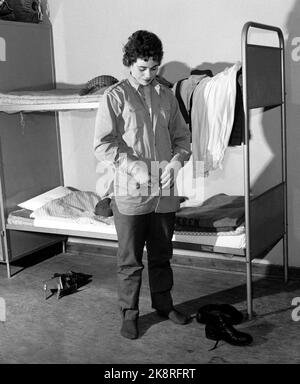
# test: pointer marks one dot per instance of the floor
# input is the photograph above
(83, 327)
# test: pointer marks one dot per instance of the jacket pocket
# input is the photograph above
(134, 118)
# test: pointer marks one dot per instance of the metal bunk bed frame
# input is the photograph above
(263, 69)
(265, 65)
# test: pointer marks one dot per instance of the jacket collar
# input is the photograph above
(136, 85)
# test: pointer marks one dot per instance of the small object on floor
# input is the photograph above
(175, 316)
(52, 285)
(233, 315)
(129, 329)
(65, 283)
(219, 328)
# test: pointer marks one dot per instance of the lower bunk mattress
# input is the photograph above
(217, 225)
(235, 239)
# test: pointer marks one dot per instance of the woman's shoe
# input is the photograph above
(130, 329)
(175, 316)
(219, 328)
(205, 312)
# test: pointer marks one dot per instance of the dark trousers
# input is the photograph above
(156, 231)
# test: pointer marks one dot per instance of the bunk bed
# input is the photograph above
(264, 216)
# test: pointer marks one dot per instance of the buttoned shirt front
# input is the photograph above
(127, 132)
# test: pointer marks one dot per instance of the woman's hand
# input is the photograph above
(169, 174)
(140, 173)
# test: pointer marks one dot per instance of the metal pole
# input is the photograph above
(284, 158)
(4, 239)
(246, 162)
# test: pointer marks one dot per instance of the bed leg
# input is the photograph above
(64, 246)
(285, 259)
(249, 290)
(8, 269)
(6, 252)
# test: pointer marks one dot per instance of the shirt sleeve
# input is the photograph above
(179, 134)
(108, 143)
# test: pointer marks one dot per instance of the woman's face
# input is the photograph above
(144, 71)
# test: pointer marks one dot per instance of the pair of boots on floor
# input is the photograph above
(130, 328)
(219, 320)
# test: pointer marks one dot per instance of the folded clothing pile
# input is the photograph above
(219, 213)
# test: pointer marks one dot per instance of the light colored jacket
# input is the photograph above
(126, 133)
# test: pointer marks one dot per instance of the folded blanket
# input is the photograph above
(218, 213)
(20, 217)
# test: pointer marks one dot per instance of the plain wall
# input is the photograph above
(88, 40)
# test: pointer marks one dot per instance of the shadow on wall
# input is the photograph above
(176, 70)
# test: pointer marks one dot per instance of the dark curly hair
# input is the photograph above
(142, 45)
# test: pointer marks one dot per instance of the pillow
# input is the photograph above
(76, 204)
(40, 200)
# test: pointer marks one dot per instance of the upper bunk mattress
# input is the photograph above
(51, 100)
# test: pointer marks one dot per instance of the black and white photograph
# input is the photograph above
(150, 185)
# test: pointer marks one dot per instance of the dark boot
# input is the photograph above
(219, 328)
(233, 315)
